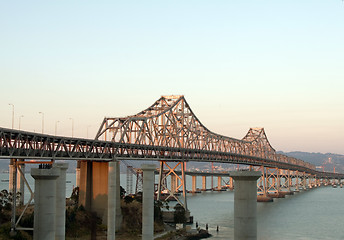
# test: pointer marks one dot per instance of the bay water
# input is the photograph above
(314, 214)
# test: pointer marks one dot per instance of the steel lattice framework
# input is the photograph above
(170, 122)
(168, 130)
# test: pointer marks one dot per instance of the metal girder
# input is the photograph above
(168, 130)
(177, 182)
(272, 180)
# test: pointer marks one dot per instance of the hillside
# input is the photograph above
(326, 160)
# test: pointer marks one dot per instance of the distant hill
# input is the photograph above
(326, 160)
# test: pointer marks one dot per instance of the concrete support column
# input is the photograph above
(93, 189)
(245, 204)
(219, 183)
(231, 186)
(77, 174)
(204, 183)
(112, 200)
(148, 202)
(10, 178)
(13, 190)
(20, 183)
(193, 184)
(119, 216)
(60, 231)
(45, 203)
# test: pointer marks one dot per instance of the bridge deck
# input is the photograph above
(27, 145)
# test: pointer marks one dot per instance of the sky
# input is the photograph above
(239, 64)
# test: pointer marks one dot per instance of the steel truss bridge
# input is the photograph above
(166, 131)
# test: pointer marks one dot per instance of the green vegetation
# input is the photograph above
(179, 214)
(81, 224)
(6, 199)
(132, 215)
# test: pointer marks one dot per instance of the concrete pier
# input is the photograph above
(204, 183)
(193, 184)
(231, 185)
(60, 231)
(20, 183)
(119, 216)
(112, 199)
(245, 204)
(148, 202)
(45, 203)
(77, 174)
(93, 189)
(219, 183)
(10, 178)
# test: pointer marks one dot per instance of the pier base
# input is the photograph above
(60, 231)
(148, 202)
(45, 203)
(245, 204)
(112, 200)
(20, 183)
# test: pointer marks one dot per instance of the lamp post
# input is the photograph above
(12, 114)
(72, 126)
(42, 121)
(56, 127)
(20, 120)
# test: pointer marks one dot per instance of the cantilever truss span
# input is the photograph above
(170, 123)
(167, 131)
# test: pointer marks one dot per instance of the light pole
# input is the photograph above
(56, 126)
(72, 126)
(12, 114)
(42, 121)
(20, 120)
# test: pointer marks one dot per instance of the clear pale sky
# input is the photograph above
(239, 64)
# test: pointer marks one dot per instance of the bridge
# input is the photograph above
(167, 132)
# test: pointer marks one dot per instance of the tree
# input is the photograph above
(179, 214)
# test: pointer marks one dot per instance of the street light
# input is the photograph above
(56, 126)
(20, 120)
(72, 126)
(42, 121)
(12, 114)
